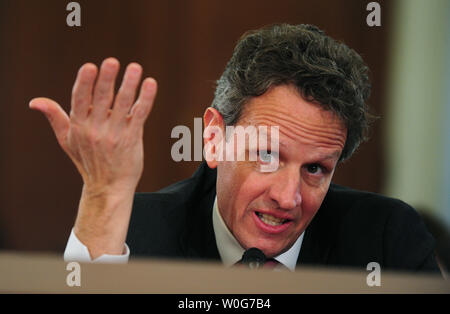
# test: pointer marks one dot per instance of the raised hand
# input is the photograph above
(103, 136)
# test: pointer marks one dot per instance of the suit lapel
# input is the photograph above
(198, 241)
(320, 234)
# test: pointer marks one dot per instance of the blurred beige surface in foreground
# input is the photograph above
(33, 273)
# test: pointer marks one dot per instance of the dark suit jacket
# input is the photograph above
(351, 228)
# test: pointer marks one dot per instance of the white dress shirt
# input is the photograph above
(229, 248)
(76, 251)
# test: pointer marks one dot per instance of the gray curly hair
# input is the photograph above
(323, 70)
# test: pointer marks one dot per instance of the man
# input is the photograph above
(314, 90)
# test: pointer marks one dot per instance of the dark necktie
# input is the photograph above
(254, 258)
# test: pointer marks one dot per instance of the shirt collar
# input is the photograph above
(231, 251)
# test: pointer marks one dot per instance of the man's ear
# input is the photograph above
(213, 137)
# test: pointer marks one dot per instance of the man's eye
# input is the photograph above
(266, 157)
(314, 168)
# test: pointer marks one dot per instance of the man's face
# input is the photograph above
(269, 210)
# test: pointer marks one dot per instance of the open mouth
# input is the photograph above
(271, 220)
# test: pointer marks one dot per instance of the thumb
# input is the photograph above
(57, 117)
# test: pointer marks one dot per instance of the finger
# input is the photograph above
(82, 91)
(144, 104)
(57, 117)
(104, 89)
(127, 93)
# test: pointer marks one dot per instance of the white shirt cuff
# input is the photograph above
(78, 252)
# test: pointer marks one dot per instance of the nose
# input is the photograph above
(285, 190)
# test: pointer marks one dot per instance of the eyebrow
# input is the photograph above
(333, 155)
(336, 154)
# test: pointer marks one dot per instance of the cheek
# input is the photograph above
(237, 187)
(247, 191)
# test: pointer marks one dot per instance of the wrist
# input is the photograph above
(103, 219)
(109, 191)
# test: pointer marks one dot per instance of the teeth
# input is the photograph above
(270, 220)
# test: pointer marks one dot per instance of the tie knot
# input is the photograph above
(254, 258)
(258, 264)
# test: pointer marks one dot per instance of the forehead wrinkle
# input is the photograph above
(273, 117)
(277, 103)
(312, 141)
(313, 133)
(333, 121)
